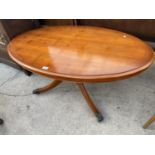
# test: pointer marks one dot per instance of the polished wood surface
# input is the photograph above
(81, 54)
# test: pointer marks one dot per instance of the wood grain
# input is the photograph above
(81, 53)
(149, 122)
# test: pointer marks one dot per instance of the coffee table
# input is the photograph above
(80, 54)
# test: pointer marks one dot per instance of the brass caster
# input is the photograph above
(36, 91)
(99, 116)
(1, 122)
(28, 73)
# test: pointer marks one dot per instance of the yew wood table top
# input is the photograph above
(80, 53)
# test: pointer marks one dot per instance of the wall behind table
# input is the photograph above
(52, 22)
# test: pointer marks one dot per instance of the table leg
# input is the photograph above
(28, 73)
(1, 121)
(150, 121)
(48, 87)
(90, 102)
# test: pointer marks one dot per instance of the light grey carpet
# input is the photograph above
(126, 105)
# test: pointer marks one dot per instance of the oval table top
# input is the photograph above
(81, 53)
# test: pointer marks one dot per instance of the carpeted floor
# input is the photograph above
(126, 105)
